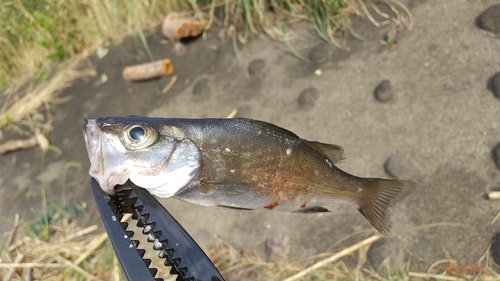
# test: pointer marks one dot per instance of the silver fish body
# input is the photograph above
(232, 163)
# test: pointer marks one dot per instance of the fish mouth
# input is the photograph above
(92, 137)
(97, 149)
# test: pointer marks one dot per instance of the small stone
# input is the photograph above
(489, 20)
(402, 166)
(386, 256)
(278, 248)
(101, 52)
(494, 85)
(308, 97)
(383, 92)
(201, 87)
(256, 66)
(319, 53)
(495, 249)
(495, 154)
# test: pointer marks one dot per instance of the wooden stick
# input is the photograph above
(335, 257)
(148, 70)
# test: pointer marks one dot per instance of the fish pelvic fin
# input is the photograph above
(381, 194)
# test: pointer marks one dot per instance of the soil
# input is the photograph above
(438, 128)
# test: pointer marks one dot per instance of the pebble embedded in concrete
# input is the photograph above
(495, 154)
(383, 92)
(494, 85)
(495, 248)
(319, 53)
(489, 20)
(402, 166)
(308, 97)
(256, 66)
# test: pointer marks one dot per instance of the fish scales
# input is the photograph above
(301, 173)
(233, 163)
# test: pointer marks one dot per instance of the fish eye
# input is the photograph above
(138, 136)
(136, 133)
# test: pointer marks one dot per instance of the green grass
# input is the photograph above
(35, 34)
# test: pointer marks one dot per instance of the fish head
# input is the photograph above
(152, 155)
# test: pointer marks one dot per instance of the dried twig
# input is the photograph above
(98, 241)
(13, 145)
(12, 231)
(31, 265)
(233, 113)
(11, 271)
(80, 233)
(43, 94)
(170, 84)
(75, 267)
(335, 257)
(444, 277)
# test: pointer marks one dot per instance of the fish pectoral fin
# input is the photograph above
(313, 209)
(232, 207)
(334, 152)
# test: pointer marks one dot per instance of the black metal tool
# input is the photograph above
(178, 248)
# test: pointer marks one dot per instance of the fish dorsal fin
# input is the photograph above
(271, 127)
(334, 152)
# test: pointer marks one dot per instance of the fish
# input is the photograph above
(235, 163)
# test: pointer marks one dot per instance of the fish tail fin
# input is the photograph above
(380, 195)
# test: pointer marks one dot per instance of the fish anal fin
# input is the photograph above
(380, 195)
(232, 208)
(334, 152)
(313, 209)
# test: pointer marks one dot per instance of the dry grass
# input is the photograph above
(26, 109)
(69, 251)
(36, 35)
(72, 252)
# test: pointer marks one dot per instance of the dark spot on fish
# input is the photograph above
(292, 198)
(303, 204)
(271, 206)
(206, 188)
